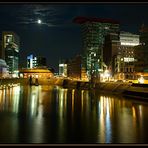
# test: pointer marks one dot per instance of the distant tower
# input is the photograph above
(30, 61)
(36, 62)
(10, 50)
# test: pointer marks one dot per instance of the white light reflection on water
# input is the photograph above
(9, 99)
(69, 115)
(105, 123)
(108, 123)
(82, 101)
(33, 100)
(16, 97)
(37, 112)
(73, 93)
(120, 120)
(62, 111)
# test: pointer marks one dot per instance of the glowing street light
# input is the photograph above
(106, 75)
(141, 80)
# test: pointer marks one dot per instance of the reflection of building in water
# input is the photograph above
(16, 97)
(128, 117)
(82, 100)
(2, 99)
(9, 99)
(62, 112)
(105, 123)
(33, 100)
(62, 106)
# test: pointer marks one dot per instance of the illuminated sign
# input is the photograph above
(62, 65)
(129, 44)
(128, 59)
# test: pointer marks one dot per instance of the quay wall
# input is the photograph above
(126, 89)
(139, 91)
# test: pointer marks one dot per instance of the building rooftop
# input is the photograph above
(81, 20)
(127, 33)
(35, 70)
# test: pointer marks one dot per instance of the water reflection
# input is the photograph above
(105, 123)
(9, 99)
(50, 114)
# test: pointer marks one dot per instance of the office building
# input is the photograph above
(10, 51)
(36, 61)
(2, 51)
(125, 58)
(93, 32)
(75, 69)
(110, 50)
(3, 69)
(141, 52)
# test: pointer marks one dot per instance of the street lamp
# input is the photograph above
(141, 80)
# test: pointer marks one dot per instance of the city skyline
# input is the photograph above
(73, 73)
(58, 37)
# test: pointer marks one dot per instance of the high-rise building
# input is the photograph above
(36, 61)
(30, 62)
(110, 51)
(141, 52)
(3, 69)
(10, 51)
(2, 51)
(75, 69)
(118, 54)
(125, 58)
(94, 31)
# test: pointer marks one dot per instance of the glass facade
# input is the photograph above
(11, 43)
(93, 37)
(3, 69)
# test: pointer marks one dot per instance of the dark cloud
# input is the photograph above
(28, 14)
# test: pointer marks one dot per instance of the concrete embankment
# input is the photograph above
(139, 91)
(130, 90)
(50, 81)
(25, 81)
(116, 88)
(126, 89)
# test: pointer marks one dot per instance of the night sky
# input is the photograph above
(58, 37)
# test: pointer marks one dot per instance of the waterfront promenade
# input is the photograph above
(139, 91)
